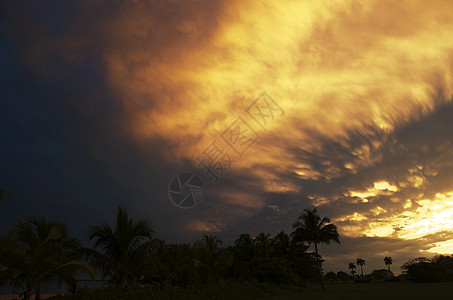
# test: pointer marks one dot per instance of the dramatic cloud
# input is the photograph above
(107, 100)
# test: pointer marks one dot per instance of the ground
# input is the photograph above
(368, 291)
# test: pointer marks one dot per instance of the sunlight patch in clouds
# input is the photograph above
(384, 185)
(443, 248)
(379, 188)
(203, 226)
(428, 217)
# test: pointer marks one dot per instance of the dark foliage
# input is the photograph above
(126, 255)
(381, 274)
(437, 269)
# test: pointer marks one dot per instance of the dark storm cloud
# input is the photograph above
(66, 146)
(104, 101)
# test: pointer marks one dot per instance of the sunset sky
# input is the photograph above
(103, 102)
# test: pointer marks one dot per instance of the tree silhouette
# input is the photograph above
(342, 276)
(124, 250)
(35, 252)
(331, 276)
(352, 267)
(160, 269)
(169, 265)
(280, 245)
(437, 269)
(381, 274)
(207, 258)
(246, 253)
(388, 261)
(360, 262)
(180, 262)
(310, 228)
(263, 244)
(126, 255)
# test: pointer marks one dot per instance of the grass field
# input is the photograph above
(367, 291)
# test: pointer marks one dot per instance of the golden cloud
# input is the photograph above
(331, 66)
(185, 70)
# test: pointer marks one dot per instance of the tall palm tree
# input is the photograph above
(361, 262)
(123, 249)
(310, 228)
(35, 252)
(352, 268)
(388, 261)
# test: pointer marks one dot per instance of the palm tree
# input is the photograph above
(124, 250)
(246, 253)
(388, 261)
(179, 260)
(352, 267)
(280, 245)
(159, 270)
(311, 228)
(35, 252)
(360, 262)
(207, 258)
(170, 264)
(263, 244)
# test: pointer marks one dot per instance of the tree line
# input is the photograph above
(437, 269)
(127, 256)
(420, 270)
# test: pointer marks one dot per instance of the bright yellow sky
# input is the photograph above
(335, 67)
